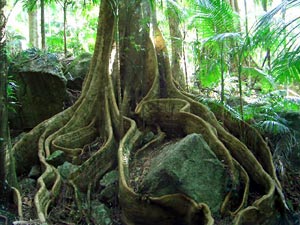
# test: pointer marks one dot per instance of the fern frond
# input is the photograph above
(273, 127)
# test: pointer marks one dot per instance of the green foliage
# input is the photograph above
(264, 59)
(214, 17)
(13, 43)
(265, 115)
(11, 94)
(55, 42)
(216, 25)
(273, 31)
(266, 82)
(273, 127)
(267, 107)
(13, 48)
(264, 3)
(80, 36)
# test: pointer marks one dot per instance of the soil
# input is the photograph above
(291, 188)
(90, 149)
(67, 212)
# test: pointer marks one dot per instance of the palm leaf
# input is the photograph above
(273, 127)
(266, 79)
(214, 17)
(223, 37)
(282, 39)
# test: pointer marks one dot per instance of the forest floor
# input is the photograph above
(65, 209)
(290, 181)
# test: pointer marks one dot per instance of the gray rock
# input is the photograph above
(66, 169)
(100, 213)
(77, 70)
(36, 61)
(41, 90)
(190, 167)
(56, 158)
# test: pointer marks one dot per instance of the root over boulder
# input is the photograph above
(249, 190)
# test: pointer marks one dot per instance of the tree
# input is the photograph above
(219, 33)
(30, 5)
(33, 28)
(43, 33)
(3, 100)
(176, 43)
(284, 47)
(160, 105)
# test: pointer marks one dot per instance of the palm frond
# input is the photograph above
(266, 80)
(263, 3)
(223, 37)
(286, 68)
(29, 4)
(273, 127)
(282, 39)
(214, 17)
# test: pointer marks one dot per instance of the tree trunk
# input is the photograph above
(33, 28)
(134, 42)
(3, 100)
(158, 106)
(222, 73)
(176, 45)
(235, 5)
(43, 35)
(65, 6)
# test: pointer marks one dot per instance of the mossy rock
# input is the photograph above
(77, 70)
(41, 90)
(188, 166)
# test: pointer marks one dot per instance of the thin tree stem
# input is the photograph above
(43, 36)
(65, 26)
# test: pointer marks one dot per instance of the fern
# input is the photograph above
(272, 127)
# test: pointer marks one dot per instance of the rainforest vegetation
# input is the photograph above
(188, 112)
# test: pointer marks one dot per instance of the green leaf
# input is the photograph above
(273, 127)
(267, 81)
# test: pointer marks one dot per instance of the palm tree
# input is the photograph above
(218, 27)
(30, 5)
(284, 45)
(33, 28)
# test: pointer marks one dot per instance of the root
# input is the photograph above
(180, 115)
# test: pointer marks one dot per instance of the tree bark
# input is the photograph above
(134, 41)
(65, 6)
(3, 100)
(33, 28)
(235, 5)
(43, 35)
(176, 45)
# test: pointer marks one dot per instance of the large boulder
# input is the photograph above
(41, 90)
(187, 166)
(77, 70)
